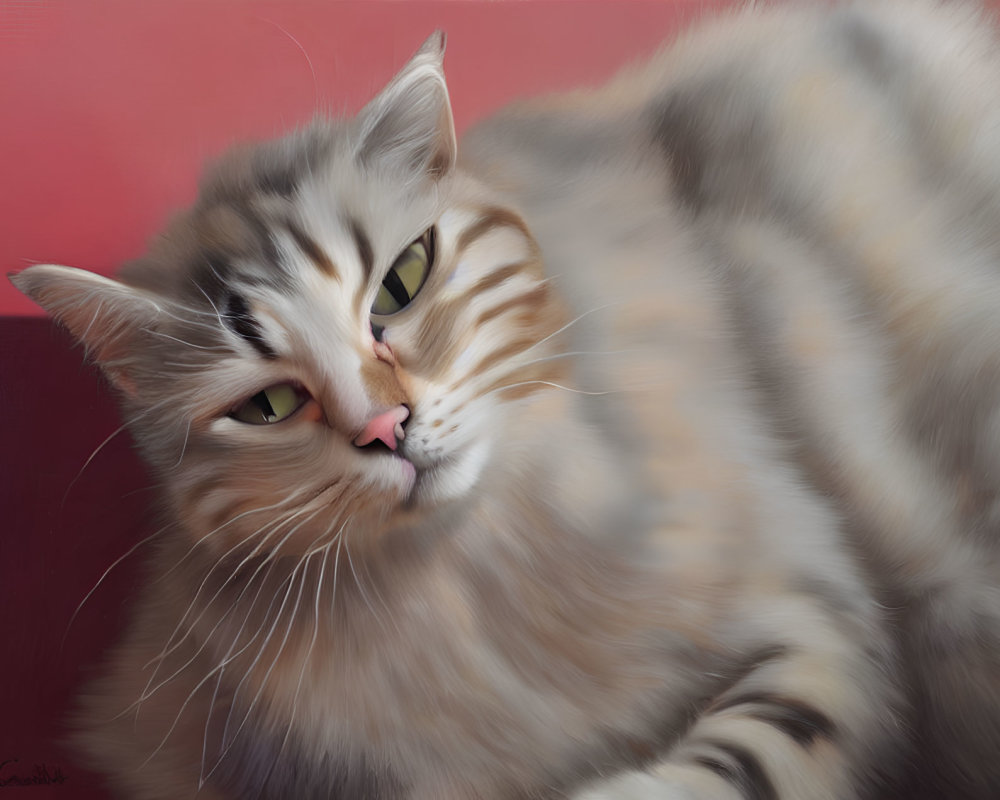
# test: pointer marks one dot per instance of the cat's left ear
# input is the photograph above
(102, 313)
(408, 128)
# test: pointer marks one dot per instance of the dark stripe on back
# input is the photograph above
(741, 768)
(676, 131)
(364, 245)
(794, 718)
(243, 324)
(715, 138)
(312, 250)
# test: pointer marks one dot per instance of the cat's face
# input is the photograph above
(333, 336)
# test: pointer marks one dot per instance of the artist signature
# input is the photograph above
(41, 776)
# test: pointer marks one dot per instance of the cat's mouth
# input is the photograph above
(400, 468)
(378, 447)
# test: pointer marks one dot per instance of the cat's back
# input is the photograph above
(727, 109)
(793, 209)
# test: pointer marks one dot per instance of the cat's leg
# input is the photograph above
(812, 720)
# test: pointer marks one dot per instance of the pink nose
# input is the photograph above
(387, 427)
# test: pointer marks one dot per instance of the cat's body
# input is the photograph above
(698, 481)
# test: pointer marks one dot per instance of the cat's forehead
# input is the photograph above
(273, 214)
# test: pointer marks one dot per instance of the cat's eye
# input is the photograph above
(273, 404)
(405, 277)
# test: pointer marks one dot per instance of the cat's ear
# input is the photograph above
(102, 313)
(408, 127)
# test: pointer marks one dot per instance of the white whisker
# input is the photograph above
(553, 385)
(361, 588)
(104, 575)
(214, 348)
(298, 44)
(187, 433)
(160, 658)
(571, 323)
(103, 444)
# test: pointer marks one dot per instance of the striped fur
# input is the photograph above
(697, 495)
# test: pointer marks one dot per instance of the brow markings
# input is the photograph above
(312, 251)
(243, 323)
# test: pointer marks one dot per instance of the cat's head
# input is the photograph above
(334, 334)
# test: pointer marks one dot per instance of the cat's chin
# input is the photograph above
(448, 478)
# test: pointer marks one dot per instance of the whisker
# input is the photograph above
(276, 526)
(187, 433)
(305, 661)
(553, 385)
(571, 323)
(230, 656)
(103, 444)
(260, 652)
(201, 683)
(86, 464)
(213, 348)
(361, 588)
(575, 353)
(100, 580)
(228, 522)
(211, 302)
(186, 321)
(298, 44)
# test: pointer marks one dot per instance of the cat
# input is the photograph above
(645, 449)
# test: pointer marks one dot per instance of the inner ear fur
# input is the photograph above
(408, 127)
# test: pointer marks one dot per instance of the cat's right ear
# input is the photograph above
(103, 314)
(408, 128)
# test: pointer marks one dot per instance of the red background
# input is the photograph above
(108, 109)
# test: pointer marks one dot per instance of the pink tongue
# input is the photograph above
(386, 427)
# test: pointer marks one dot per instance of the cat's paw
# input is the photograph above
(633, 786)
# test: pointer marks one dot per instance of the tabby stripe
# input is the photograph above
(491, 218)
(741, 768)
(794, 718)
(312, 250)
(364, 245)
(494, 279)
(532, 299)
(502, 354)
(243, 323)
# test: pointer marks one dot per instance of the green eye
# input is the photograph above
(405, 277)
(273, 404)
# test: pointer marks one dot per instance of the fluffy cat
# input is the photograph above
(647, 449)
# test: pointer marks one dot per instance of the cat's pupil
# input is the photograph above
(272, 404)
(261, 401)
(395, 287)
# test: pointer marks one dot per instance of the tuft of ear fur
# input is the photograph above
(408, 128)
(100, 312)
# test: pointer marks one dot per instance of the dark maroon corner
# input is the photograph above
(62, 528)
